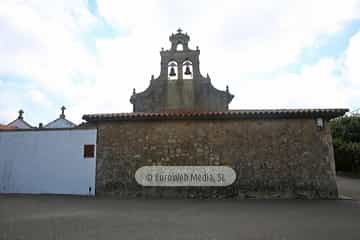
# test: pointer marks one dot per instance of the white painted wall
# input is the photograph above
(47, 161)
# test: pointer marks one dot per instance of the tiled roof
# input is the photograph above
(5, 127)
(233, 114)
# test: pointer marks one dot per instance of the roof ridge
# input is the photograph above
(22, 120)
(59, 118)
(248, 113)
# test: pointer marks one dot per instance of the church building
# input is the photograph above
(181, 119)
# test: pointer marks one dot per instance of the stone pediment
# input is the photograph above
(180, 85)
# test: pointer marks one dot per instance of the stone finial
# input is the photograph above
(152, 77)
(227, 88)
(197, 48)
(134, 91)
(21, 113)
(162, 49)
(62, 115)
(179, 30)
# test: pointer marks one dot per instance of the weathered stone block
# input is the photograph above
(273, 158)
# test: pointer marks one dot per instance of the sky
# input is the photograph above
(88, 55)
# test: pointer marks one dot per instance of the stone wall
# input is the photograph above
(195, 95)
(273, 158)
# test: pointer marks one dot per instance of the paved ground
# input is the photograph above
(349, 187)
(69, 217)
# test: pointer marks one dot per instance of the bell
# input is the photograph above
(172, 72)
(187, 70)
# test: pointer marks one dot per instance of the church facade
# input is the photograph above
(182, 120)
(180, 87)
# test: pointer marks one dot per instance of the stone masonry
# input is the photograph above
(180, 85)
(181, 119)
(273, 158)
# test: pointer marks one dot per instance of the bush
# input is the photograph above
(346, 139)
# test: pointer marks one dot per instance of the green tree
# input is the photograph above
(346, 139)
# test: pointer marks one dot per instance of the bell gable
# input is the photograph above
(180, 85)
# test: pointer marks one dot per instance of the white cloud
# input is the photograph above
(38, 97)
(237, 38)
(256, 35)
(315, 86)
(10, 103)
(44, 42)
(352, 60)
(41, 41)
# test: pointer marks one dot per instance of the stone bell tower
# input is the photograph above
(180, 86)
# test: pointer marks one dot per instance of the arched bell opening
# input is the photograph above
(179, 47)
(172, 70)
(187, 69)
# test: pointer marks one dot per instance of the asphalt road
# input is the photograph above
(349, 187)
(70, 217)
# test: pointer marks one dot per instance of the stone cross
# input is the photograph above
(21, 112)
(62, 115)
